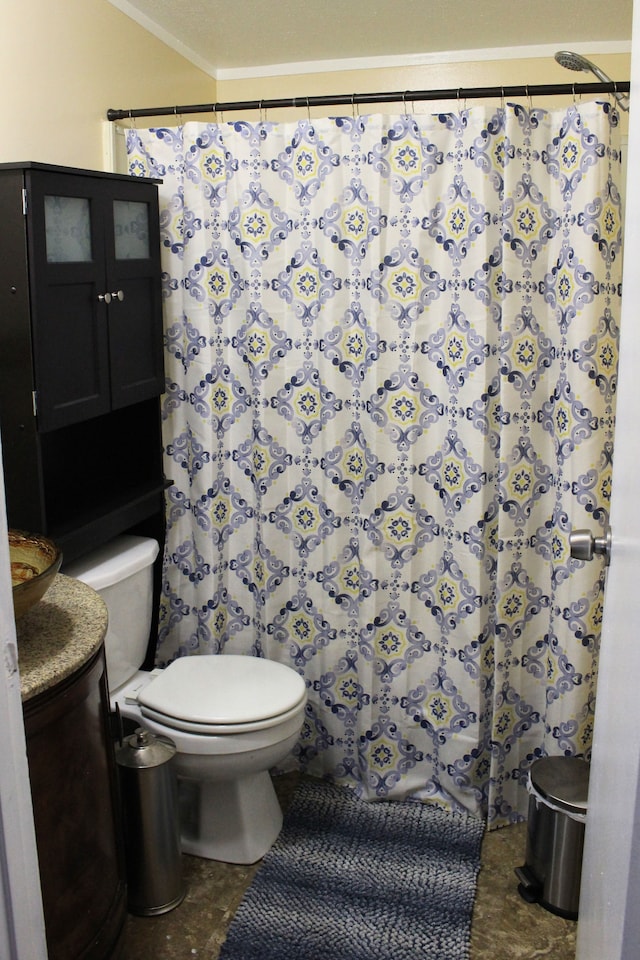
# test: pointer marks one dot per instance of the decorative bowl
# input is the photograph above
(35, 561)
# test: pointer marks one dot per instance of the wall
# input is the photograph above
(62, 65)
(511, 69)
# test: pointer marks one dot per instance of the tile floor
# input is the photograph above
(504, 927)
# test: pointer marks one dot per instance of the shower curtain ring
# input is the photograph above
(308, 111)
(413, 103)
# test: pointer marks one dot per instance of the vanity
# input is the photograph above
(72, 771)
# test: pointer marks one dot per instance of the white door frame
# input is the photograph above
(22, 934)
(609, 918)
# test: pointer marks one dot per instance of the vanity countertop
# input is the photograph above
(59, 634)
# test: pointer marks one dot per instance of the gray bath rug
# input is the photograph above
(353, 880)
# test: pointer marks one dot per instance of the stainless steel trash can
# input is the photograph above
(558, 788)
(148, 789)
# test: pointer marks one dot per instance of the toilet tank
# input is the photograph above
(121, 571)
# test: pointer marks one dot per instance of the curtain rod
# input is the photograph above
(401, 96)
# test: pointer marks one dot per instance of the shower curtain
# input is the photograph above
(391, 347)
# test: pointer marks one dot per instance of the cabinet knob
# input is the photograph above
(104, 297)
(118, 295)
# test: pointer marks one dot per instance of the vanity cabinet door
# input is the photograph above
(76, 811)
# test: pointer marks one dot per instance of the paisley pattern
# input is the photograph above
(391, 347)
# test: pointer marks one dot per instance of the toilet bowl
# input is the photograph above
(232, 718)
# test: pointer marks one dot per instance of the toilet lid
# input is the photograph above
(224, 689)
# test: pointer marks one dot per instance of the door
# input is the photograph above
(136, 352)
(68, 285)
(609, 924)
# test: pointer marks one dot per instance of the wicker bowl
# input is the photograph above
(35, 561)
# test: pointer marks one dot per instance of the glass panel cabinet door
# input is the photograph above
(134, 276)
(131, 230)
(68, 284)
(67, 229)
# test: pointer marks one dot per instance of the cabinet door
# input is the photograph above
(135, 311)
(68, 283)
(76, 811)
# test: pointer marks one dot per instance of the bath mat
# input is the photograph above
(352, 880)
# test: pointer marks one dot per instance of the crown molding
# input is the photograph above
(167, 38)
(540, 51)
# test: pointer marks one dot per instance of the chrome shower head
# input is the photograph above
(575, 61)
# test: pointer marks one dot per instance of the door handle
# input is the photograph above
(584, 546)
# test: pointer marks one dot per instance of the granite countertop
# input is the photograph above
(59, 634)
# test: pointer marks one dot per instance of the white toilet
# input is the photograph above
(232, 718)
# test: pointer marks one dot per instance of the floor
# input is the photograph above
(504, 927)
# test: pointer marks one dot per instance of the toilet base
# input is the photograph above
(234, 821)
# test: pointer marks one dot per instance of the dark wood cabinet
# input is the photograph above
(94, 266)
(81, 352)
(76, 811)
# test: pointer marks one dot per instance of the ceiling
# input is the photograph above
(235, 36)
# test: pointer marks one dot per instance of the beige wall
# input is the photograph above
(62, 64)
(433, 76)
(447, 75)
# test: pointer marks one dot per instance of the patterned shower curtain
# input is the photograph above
(391, 348)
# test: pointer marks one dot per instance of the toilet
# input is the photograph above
(232, 718)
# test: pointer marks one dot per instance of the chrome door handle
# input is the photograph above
(584, 546)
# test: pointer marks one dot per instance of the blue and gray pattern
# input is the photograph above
(391, 353)
(349, 880)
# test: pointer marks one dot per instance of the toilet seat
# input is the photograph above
(224, 694)
(213, 729)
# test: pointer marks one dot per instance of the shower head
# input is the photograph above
(575, 61)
